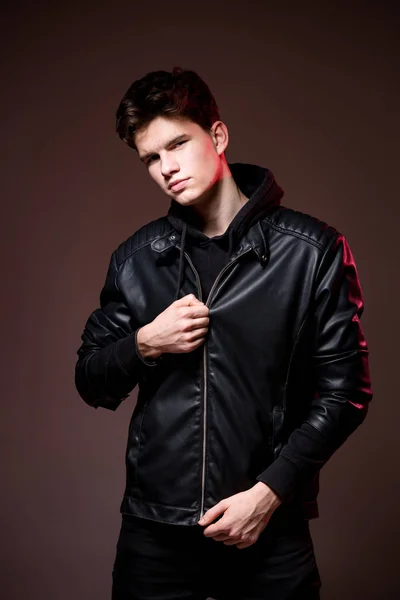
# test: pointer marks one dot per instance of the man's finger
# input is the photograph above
(193, 300)
(187, 300)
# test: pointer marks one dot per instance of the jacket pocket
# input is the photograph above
(134, 441)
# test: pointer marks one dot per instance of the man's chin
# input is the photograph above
(185, 199)
(189, 197)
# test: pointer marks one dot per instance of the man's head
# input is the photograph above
(172, 121)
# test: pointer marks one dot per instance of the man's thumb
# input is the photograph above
(212, 513)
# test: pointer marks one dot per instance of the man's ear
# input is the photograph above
(220, 136)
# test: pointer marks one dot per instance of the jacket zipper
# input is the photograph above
(203, 473)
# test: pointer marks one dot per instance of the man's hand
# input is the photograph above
(245, 515)
(181, 327)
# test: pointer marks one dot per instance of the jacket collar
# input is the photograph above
(254, 239)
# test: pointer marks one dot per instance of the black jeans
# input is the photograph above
(160, 561)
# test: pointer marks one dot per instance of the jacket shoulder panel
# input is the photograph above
(142, 237)
(303, 225)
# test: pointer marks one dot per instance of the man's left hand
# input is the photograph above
(245, 515)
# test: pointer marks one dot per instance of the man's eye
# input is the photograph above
(149, 160)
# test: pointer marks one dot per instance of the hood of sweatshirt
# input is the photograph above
(263, 193)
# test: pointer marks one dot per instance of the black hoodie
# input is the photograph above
(209, 255)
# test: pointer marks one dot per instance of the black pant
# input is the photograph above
(159, 561)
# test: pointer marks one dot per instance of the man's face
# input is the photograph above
(175, 149)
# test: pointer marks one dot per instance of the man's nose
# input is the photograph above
(168, 165)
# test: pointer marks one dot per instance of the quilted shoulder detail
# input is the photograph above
(143, 236)
(303, 225)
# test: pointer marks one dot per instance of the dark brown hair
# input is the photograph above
(177, 94)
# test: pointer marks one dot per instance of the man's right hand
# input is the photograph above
(181, 327)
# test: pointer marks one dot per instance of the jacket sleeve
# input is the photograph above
(341, 374)
(109, 364)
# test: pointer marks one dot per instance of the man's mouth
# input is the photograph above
(179, 185)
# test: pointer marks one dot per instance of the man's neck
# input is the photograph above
(217, 211)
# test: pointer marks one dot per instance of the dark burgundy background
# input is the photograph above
(310, 90)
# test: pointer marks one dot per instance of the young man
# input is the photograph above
(239, 319)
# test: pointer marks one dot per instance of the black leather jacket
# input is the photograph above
(284, 350)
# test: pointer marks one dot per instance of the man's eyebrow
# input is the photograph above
(169, 143)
